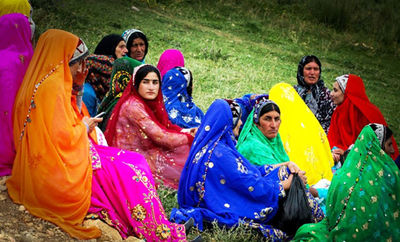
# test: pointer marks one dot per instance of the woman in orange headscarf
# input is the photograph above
(59, 173)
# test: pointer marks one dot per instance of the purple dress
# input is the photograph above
(16, 52)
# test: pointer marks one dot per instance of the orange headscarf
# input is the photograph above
(52, 173)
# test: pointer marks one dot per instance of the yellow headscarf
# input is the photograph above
(15, 6)
(52, 172)
(302, 136)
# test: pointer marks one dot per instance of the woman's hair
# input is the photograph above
(136, 35)
(268, 108)
(389, 134)
(264, 105)
(142, 73)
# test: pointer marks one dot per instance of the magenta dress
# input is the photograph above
(16, 52)
(124, 196)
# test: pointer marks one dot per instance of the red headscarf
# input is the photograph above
(155, 108)
(353, 114)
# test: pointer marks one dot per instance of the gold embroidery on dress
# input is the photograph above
(139, 212)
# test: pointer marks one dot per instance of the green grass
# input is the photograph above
(233, 48)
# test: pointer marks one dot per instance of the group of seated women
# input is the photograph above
(235, 165)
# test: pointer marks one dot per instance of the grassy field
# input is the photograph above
(233, 48)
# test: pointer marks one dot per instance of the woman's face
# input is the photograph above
(121, 49)
(78, 73)
(149, 86)
(311, 73)
(237, 128)
(337, 95)
(138, 49)
(388, 145)
(269, 124)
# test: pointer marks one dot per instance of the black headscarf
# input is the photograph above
(319, 101)
(108, 45)
(300, 69)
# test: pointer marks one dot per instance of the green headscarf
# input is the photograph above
(363, 201)
(121, 74)
(257, 148)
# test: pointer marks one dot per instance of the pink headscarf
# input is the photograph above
(169, 59)
(16, 52)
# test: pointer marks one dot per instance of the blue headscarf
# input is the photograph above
(179, 104)
(247, 103)
(218, 183)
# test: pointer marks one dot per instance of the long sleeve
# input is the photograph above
(137, 116)
(247, 180)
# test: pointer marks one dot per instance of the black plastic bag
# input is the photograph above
(294, 210)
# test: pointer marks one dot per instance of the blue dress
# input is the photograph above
(218, 183)
(90, 99)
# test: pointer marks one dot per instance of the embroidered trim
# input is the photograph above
(200, 184)
(351, 189)
(32, 103)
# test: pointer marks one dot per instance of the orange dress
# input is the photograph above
(51, 142)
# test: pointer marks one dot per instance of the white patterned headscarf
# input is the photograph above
(342, 81)
(186, 73)
(127, 33)
(380, 131)
(80, 52)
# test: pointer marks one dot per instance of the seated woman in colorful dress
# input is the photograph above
(169, 59)
(313, 91)
(218, 183)
(177, 86)
(59, 174)
(16, 51)
(363, 200)
(140, 123)
(353, 112)
(97, 83)
(263, 141)
(136, 43)
(121, 74)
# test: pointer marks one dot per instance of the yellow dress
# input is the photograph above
(302, 136)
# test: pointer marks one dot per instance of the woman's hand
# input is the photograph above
(302, 175)
(81, 75)
(293, 167)
(336, 153)
(313, 192)
(193, 131)
(91, 123)
(286, 183)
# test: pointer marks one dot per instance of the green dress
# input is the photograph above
(121, 74)
(363, 201)
(257, 148)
